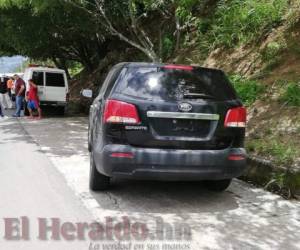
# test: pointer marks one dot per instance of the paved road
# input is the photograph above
(44, 173)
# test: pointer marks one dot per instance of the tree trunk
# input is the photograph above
(178, 34)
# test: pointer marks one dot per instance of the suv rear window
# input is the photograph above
(55, 80)
(167, 84)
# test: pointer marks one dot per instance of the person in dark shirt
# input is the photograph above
(4, 97)
(20, 89)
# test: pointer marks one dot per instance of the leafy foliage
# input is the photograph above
(85, 31)
(281, 152)
(248, 90)
(291, 94)
(45, 30)
(240, 21)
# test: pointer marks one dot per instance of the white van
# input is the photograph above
(53, 88)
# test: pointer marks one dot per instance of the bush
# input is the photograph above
(272, 50)
(248, 90)
(291, 94)
(280, 152)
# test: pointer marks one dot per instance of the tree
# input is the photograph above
(129, 20)
(85, 31)
(123, 19)
(51, 31)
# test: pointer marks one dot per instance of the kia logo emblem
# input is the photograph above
(185, 107)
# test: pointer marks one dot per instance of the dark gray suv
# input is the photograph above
(166, 122)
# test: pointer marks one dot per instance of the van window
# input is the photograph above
(38, 78)
(55, 80)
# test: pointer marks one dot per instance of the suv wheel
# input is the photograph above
(89, 139)
(97, 181)
(218, 185)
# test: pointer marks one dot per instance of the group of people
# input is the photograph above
(13, 90)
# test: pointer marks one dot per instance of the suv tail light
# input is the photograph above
(236, 118)
(120, 112)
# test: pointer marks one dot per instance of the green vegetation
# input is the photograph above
(273, 49)
(281, 152)
(49, 30)
(291, 94)
(239, 22)
(168, 46)
(87, 31)
(272, 54)
(248, 90)
(75, 68)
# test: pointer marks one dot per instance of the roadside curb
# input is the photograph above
(285, 181)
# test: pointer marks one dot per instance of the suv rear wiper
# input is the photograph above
(200, 96)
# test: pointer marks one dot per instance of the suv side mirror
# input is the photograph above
(88, 93)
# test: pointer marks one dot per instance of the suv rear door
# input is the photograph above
(56, 86)
(181, 107)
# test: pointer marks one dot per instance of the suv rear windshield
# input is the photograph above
(168, 84)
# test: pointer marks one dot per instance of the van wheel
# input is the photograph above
(98, 181)
(218, 185)
(60, 111)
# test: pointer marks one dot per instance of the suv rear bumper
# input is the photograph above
(170, 164)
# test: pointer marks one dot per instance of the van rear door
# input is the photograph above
(39, 79)
(56, 86)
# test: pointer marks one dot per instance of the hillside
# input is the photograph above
(273, 63)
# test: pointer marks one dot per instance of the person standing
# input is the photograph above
(20, 89)
(13, 93)
(33, 99)
(1, 113)
(4, 97)
(10, 85)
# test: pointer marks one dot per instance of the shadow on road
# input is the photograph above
(164, 197)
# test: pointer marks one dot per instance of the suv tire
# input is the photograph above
(98, 181)
(218, 185)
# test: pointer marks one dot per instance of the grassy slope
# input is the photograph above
(273, 62)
